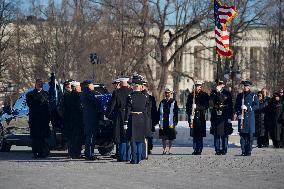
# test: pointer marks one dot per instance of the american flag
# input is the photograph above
(223, 15)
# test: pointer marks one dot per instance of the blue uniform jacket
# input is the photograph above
(252, 103)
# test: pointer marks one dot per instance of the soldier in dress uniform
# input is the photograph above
(136, 119)
(168, 120)
(152, 116)
(221, 106)
(246, 103)
(116, 112)
(196, 106)
(74, 126)
(115, 84)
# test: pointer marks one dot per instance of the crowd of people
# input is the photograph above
(134, 114)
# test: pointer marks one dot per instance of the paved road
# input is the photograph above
(264, 169)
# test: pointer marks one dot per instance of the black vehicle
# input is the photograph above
(14, 126)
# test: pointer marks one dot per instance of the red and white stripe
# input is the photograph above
(222, 42)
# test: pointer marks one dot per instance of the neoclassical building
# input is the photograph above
(199, 59)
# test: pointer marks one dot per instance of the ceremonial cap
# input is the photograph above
(115, 81)
(246, 83)
(75, 83)
(219, 81)
(198, 82)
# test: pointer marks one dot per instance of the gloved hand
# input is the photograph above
(125, 127)
(240, 117)
(194, 106)
(244, 107)
(229, 121)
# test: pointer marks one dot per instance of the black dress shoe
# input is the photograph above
(218, 153)
(193, 153)
(91, 158)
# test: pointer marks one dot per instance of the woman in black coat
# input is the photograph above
(260, 122)
(168, 120)
(275, 113)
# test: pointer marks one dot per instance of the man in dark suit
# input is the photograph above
(37, 101)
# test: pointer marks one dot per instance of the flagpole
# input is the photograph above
(218, 67)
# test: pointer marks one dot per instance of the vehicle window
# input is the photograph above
(100, 90)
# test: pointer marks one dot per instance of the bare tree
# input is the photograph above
(275, 56)
(6, 35)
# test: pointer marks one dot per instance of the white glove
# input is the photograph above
(194, 106)
(244, 107)
(125, 127)
(229, 121)
(240, 117)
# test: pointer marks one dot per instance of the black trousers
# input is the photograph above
(40, 147)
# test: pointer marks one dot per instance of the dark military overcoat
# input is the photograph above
(202, 104)
(221, 111)
(116, 112)
(252, 103)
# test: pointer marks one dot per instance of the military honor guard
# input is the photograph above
(246, 104)
(116, 112)
(74, 127)
(90, 117)
(136, 119)
(168, 110)
(37, 101)
(152, 117)
(221, 106)
(196, 106)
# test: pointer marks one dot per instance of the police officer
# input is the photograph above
(221, 106)
(196, 106)
(74, 121)
(116, 112)
(136, 119)
(90, 118)
(37, 101)
(246, 103)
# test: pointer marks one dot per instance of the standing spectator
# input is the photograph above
(196, 106)
(168, 120)
(37, 101)
(260, 122)
(90, 117)
(246, 104)
(275, 113)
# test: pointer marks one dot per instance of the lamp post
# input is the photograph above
(234, 74)
(93, 60)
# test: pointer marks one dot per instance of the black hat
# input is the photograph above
(276, 94)
(137, 79)
(246, 83)
(219, 81)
